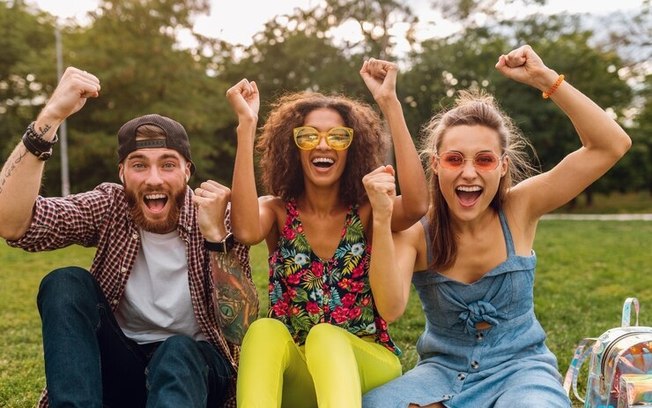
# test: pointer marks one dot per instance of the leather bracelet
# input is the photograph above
(35, 144)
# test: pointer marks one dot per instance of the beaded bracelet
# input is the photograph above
(553, 88)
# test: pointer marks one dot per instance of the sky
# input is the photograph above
(236, 21)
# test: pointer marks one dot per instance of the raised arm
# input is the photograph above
(392, 257)
(245, 214)
(412, 204)
(21, 175)
(604, 142)
(235, 292)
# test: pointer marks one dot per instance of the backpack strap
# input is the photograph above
(627, 311)
(582, 351)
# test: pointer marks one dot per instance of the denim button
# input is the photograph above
(461, 376)
(479, 336)
(475, 365)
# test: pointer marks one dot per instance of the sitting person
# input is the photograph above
(324, 342)
(140, 328)
(471, 259)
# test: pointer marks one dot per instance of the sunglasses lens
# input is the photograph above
(485, 161)
(451, 160)
(306, 138)
(339, 138)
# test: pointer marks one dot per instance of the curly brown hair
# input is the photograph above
(280, 163)
(471, 108)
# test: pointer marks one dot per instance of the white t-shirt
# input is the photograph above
(156, 302)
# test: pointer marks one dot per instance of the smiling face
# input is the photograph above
(155, 184)
(467, 190)
(323, 166)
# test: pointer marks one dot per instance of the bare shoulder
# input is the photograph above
(273, 212)
(517, 208)
(364, 210)
(522, 223)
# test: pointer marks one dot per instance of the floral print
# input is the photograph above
(305, 290)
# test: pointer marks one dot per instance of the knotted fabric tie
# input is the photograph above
(477, 312)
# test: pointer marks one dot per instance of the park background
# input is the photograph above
(586, 268)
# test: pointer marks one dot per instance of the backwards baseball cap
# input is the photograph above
(176, 137)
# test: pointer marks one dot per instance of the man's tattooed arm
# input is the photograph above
(236, 298)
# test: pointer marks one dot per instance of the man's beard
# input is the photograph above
(156, 227)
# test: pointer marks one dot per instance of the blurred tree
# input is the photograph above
(376, 21)
(481, 13)
(467, 59)
(132, 46)
(566, 47)
(444, 66)
(27, 70)
(288, 58)
(640, 175)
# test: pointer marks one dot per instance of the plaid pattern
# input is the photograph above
(100, 218)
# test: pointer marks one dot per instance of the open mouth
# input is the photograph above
(468, 195)
(323, 162)
(155, 202)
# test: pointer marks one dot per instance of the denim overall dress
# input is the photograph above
(461, 366)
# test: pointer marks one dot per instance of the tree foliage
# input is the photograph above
(132, 46)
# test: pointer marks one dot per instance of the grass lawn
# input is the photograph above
(586, 270)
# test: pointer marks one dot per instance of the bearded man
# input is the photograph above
(158, 318)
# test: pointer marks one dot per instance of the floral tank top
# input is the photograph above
(305, 290)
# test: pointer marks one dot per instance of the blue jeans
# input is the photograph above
(89, 362)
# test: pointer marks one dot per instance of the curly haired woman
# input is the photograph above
(324, 342)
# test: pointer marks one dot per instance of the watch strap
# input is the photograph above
(224, 246)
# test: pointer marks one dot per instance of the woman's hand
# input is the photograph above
(380, 185)
(244, 99)
(524, 65)
(380, 78)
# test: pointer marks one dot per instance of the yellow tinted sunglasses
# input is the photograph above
(337, 138)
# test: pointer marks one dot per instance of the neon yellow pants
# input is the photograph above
(332, 370)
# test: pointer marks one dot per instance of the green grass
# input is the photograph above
(637, 202)
(586, 270)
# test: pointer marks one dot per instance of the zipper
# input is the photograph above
(612, 344)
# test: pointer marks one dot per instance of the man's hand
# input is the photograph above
(74, 88)
(211, 199)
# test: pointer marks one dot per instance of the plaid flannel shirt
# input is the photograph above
(100, 218)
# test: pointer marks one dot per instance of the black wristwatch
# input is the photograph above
(224, 246)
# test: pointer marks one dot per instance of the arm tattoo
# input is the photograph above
(10, 166)
(43, 130)
(235, 296)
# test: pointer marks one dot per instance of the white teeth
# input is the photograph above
(155, 196)
(469, 188)
(322, 160)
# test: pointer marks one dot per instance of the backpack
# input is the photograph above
(620, 365)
